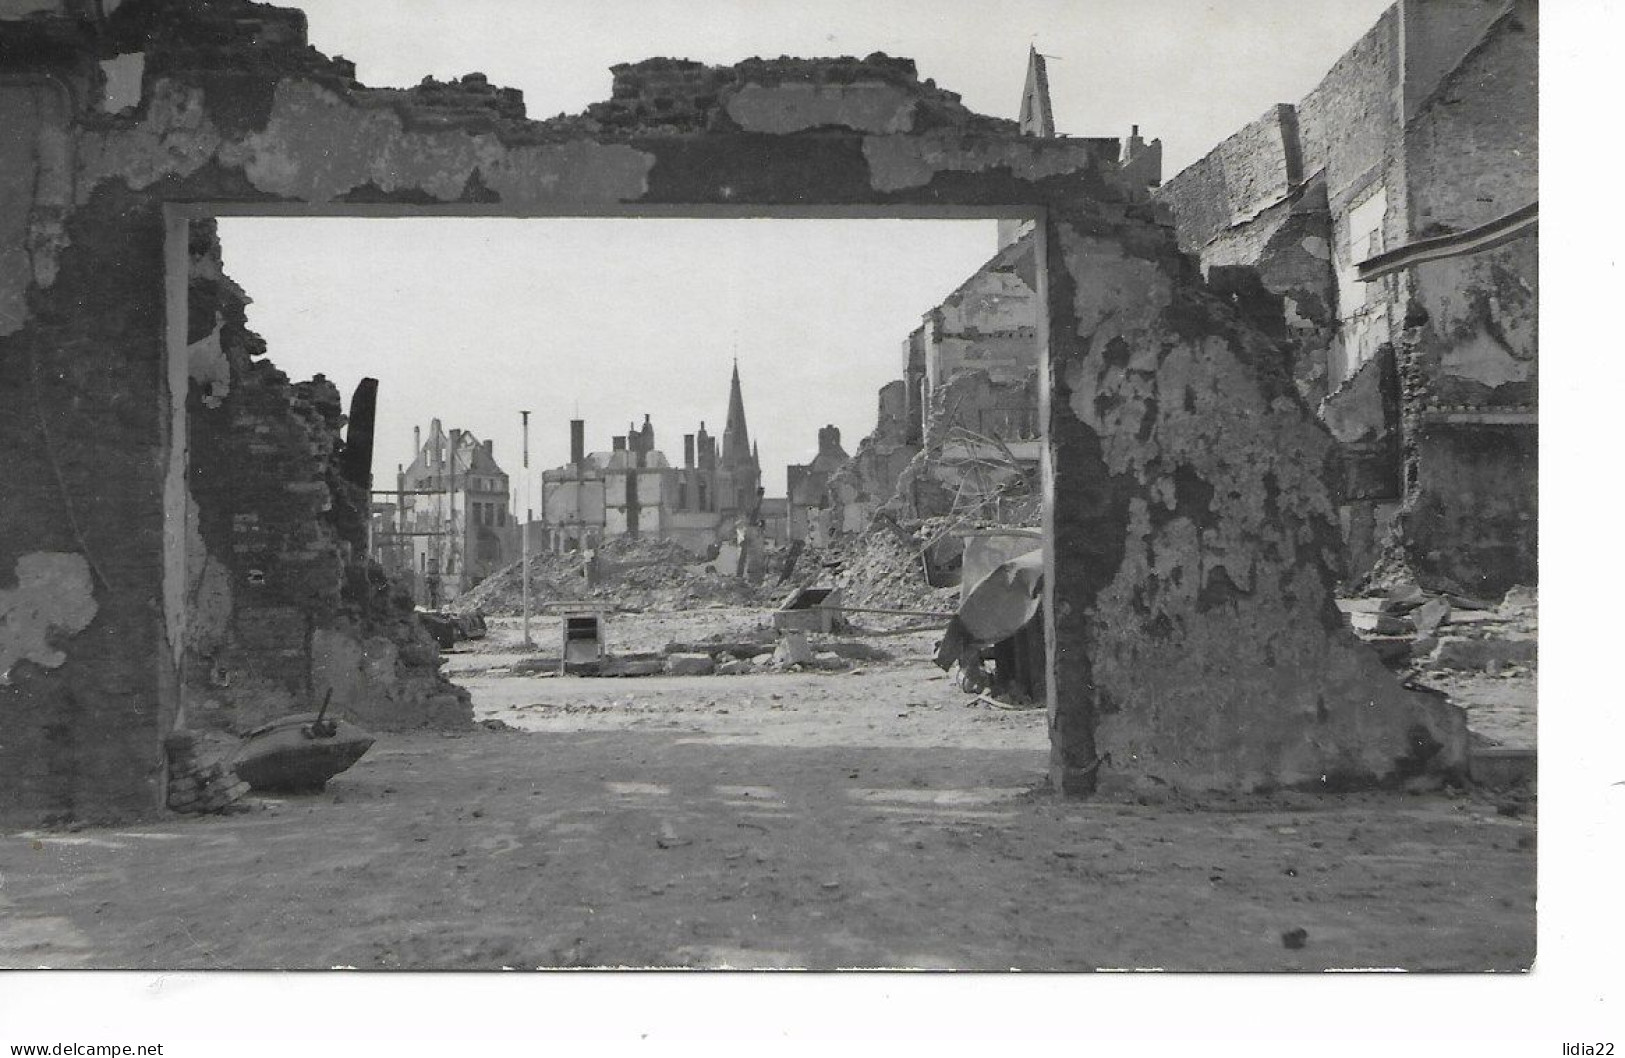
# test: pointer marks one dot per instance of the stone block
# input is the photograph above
(689, 665)
(1381, 624)
(1430, 615)
(633, 667)
(793, 649)
(830, 661)
(738, 667)
(1455, 652)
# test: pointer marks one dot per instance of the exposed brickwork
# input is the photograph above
(283, 536)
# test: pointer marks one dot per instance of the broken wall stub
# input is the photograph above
(283, 602)
(1193, 545)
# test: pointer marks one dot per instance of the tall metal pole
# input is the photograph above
(524, 531)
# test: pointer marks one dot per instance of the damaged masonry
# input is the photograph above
(1200, 416)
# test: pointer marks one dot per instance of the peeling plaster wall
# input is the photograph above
(1427, 125)
(1199, 507)
(1471, 513)
(1192, 521)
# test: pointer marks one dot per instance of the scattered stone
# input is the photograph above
(1430, 615)
(828, 661)
(200, 779)
(793, 649)
(740, 667)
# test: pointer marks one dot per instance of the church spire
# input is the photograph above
(735, 436)
(1037, 119)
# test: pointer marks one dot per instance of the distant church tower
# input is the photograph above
(738, 458)
(1037, 119)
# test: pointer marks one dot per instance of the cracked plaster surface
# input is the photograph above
(899, 162)
(318, 146)
(795, 107)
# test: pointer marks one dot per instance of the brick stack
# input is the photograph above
(200, 781)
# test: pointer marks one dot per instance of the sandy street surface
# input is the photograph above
(877, 818)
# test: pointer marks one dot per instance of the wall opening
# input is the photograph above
(448, 440)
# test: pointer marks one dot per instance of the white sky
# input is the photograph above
(471, 321)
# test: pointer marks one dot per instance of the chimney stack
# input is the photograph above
(688, 450)
(417, 441)
(578, 441)
(617, 443)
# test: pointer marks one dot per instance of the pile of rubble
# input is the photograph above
(1412, 627)
(633, 574)
(884, 568)
(201, 780)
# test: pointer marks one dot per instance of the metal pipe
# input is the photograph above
(524, 531)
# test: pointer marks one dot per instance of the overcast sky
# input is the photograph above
(472, 320)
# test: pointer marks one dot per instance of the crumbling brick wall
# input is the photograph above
(284, 602)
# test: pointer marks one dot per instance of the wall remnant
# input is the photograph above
(1425, 127)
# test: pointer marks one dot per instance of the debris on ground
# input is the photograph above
(201, 779)
(632, 573)
(1411, 627)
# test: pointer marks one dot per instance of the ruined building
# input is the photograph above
(450, 526)
(1392, 214)
(633, 489)
(164, 559)
(808, 488)
(961, 433)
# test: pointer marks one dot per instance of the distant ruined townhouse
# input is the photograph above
(450, 526)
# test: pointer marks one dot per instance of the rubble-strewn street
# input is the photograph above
(875, 817)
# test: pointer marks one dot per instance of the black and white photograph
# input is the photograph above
(735, 487)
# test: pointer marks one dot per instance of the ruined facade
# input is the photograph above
(633, 489)
(808, 485)
(969, 445)
(451, 524)
(1421, 355)
(1191, 538)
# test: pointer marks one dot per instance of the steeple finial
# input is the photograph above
(735, 435)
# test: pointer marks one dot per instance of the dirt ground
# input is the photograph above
(870, 818)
